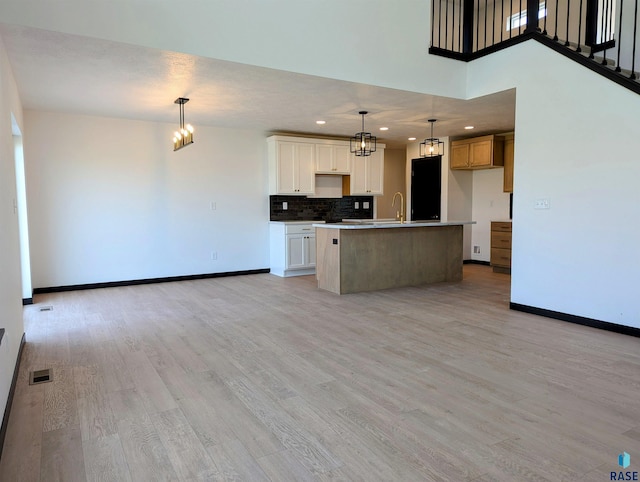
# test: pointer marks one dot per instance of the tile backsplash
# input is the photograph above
(301, 208)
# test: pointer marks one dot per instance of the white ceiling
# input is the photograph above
(68, 73)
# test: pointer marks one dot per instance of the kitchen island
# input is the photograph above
(365, 256)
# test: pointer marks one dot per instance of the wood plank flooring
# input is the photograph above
(266, 378)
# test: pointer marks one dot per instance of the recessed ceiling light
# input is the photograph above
(468, 127)
(412, 138)
(384, 128)
(320, 123)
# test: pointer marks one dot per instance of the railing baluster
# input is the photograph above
(635, 41)
(485, 24)
(579, 27)
(520, 19)
(460, 27)
(453, 25)
(546, 10)
(493, 28)
(618, 68)
(478, 26)
(610, 15)
(446, 23)
(440, 22)
(433, 21)
(602, 23)
(502, 17)
(605, 26)
(566, 42)
(510, 18)
(555, 35)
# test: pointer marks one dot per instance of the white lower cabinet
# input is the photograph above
(293, 249)
(301, 251)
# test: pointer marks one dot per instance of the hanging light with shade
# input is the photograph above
(432, 146)
(184, 136)
(363, 143)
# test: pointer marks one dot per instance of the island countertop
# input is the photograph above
(352, 257)
(378, 224)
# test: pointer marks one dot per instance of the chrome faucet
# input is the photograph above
(399, 214)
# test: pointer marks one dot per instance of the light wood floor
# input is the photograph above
(263, 378)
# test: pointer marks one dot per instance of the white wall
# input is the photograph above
(394, 181)
(109, 200)
(377, 42)
(581, 255)
(460, 208)
(23, 221)
(489, 203)
(10, 281)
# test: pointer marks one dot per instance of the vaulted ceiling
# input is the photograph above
(68, 73)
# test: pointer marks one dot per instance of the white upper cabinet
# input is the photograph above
(295, 161)
(333, 159)
(292, 166)
(367, 174)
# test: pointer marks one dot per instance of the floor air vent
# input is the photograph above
(46, 308)
(40, 376)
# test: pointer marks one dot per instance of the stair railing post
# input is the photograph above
(591, 23)
(467, 27)
(532, 16)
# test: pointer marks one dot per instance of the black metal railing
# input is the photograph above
(605, 32)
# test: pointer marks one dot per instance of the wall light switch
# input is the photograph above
(285, 205)
(213, 206)
(542, 203)
(365, 205)
(356, 205)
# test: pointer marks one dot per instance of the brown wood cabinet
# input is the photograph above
(501, 246)
(477, 153)
(508, 163)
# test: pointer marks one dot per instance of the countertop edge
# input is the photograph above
(296, 222)
(392, 225)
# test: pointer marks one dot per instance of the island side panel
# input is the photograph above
(328, 259)
(374, 259)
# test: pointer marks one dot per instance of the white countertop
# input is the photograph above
(376, 224)
(296, 222)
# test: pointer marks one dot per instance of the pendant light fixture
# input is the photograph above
(183, 136)
(431, 147)
(363, 143)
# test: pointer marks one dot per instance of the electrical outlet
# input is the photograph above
(285, 205)
(542, 203)
(365, 205)
(214, 256)
(356, 205)
(476, 250)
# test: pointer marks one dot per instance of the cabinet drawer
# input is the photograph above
(501, 257)
(299, 229)
(500, 226)
(501, 239)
